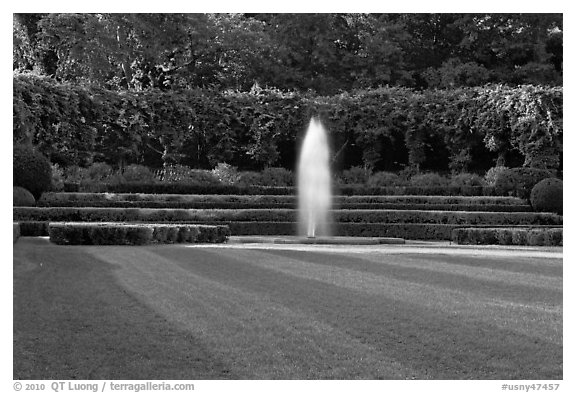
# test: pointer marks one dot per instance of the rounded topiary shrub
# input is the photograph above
(519, 182)
(22, 197)
(546, 196)
(31, 170)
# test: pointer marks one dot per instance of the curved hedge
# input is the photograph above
(240, 128)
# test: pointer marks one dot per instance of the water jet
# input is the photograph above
(314, 182)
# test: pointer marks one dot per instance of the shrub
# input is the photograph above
(186, 175)
(546, 196)
(492, 174)
(276, 177)
(99, 171)
(137, 173)
(249, 178)
(354, 175)
(519, 181)
(429, 180)
(31, 170)
(226, 173)
(58, 178)
(466, 180)
(22, 197)
(74, 174)
(385, 179)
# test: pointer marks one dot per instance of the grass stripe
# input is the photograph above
(261, 339)
(515, 286)
(548, 267)
(71, 321)
(539, 319)
(446, 342)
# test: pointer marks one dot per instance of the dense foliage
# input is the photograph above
(379, 129)
(326, 53)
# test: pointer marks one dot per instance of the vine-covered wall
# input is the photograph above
(386, 128)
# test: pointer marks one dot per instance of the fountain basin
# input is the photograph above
(332, 240)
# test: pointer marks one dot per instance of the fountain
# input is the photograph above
(314, 182)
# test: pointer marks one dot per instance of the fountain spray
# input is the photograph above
(314, 182)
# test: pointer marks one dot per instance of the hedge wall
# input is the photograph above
(377, 128)
(134, 234)
(177, 201)
(282, 215)
(61, 198)
(222, 189)
(509, 236)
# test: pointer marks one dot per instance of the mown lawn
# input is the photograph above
(177, 312)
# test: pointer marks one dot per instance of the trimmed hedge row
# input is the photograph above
(34, 228)
(134, 234)
(282, 215)
(404, 231)
(267, 228)
(59, 198)
(509, 236)
(223, 189)
(293, 205)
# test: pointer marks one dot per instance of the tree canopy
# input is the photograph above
(322, 53)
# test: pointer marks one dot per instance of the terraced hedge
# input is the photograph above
(243, 228)
(222, 189)
(134, 234)
(292, 205)
(281, 215)
(53, 198)
(176, 201)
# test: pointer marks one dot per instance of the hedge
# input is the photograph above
(223, 189)
(58, 198)
(404, 231)
(509, 236)
(264, 205)
(209, 126)
(134, 234)
(267, 228)
(281, 215)
(33, 228)
(15, 232)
